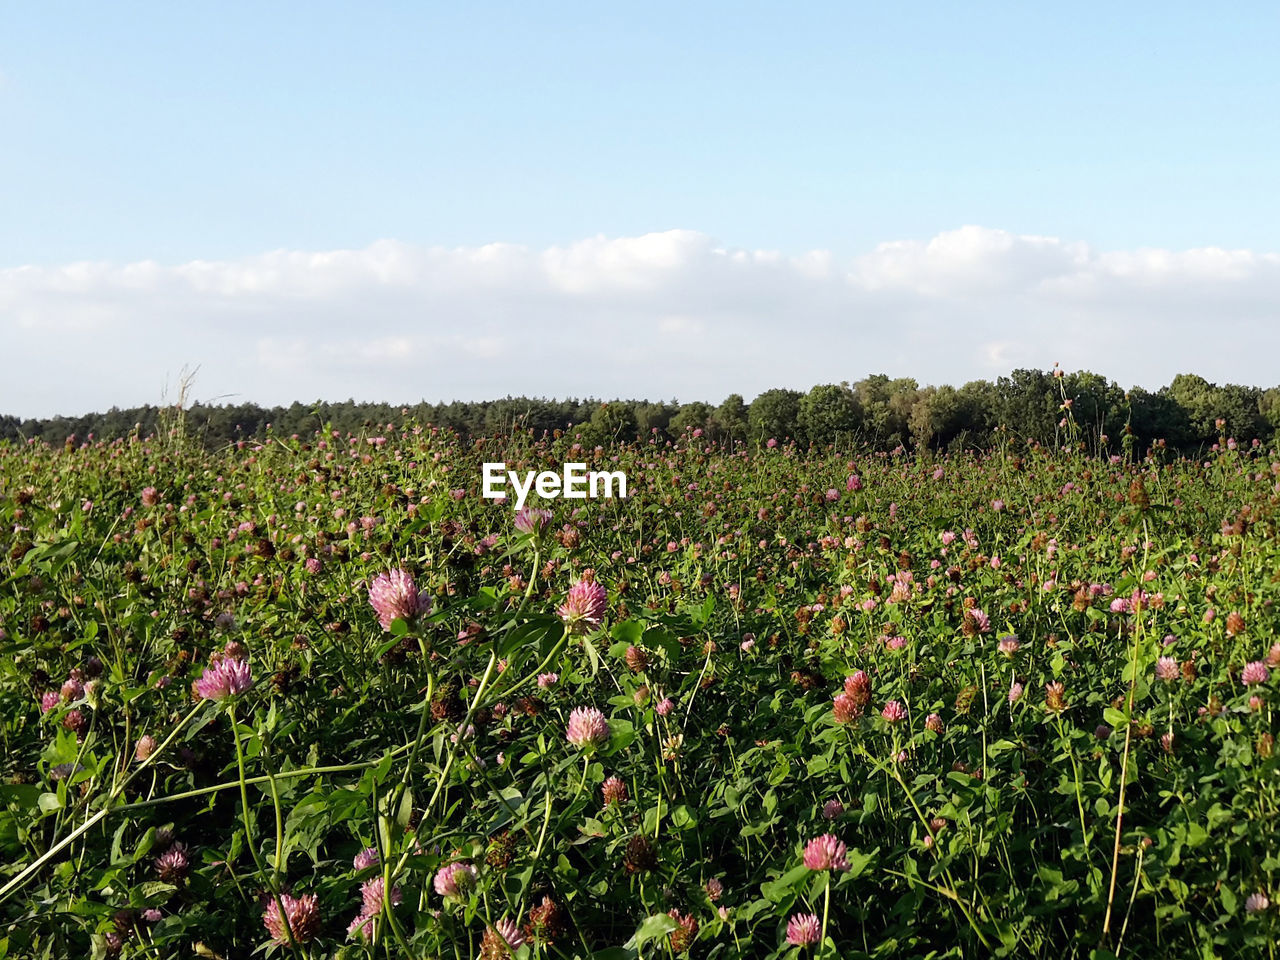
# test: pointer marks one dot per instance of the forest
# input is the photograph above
(1186, 416)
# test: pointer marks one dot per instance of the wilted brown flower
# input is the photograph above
(686, 931)
(1053, 697)
(545, 922)
(639, 855)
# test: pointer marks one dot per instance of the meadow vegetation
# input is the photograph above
(311, 695)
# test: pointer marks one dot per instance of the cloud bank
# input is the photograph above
(670, 314)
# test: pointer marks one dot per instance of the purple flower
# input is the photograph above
(803, 930)
(893, 712)
(584, 606)
(365, 858)
(826, 852)
(587, 727)
(615, 791)
(1255, 673)
(981, 623)
(145, 747)
(394, 596)
(173, 863)
(362, 925)
(845, 708)
(372, 893)
(76, 722)
(455, 879)
(300, 916)
(858, 686)
(506, 928)
(1167, 669)
(532, 520)
(226, 678)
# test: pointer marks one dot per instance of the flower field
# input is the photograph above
(315, 697)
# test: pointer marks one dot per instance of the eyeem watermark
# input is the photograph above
(575, 483)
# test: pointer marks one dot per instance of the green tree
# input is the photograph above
(654, 415)
(730, 418)
(1028, 403)
(613, 422)
(692, 416)
(775, 414)
(827, 413)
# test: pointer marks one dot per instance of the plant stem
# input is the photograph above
(826, 910)
(79, 831)
(269, 877)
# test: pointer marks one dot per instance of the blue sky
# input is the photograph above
(171, 131)
(176, 133)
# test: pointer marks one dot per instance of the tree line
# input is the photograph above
(1027, 405)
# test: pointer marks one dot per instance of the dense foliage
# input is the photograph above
(316, 697)
(876, 412)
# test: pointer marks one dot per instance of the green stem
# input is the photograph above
(1128, 739)
(533, 578)
(417, 743)
(555, 652)
(231, 785)
(268, 877)
(79, 831)
(542, 836)
(275, 802)
(453, 753)
(826, 909)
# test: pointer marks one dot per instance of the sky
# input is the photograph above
(667, 200)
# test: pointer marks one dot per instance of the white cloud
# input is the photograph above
(660, 315)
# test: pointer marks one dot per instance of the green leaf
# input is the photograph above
(776, 890)
(156, 892)
(1116, 719)
(1229, 901)
(593, 654)
(858, 861)
(628, 632)
(657, 925)
(684, 817)
(621, 734)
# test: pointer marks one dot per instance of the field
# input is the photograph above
(315, 697)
